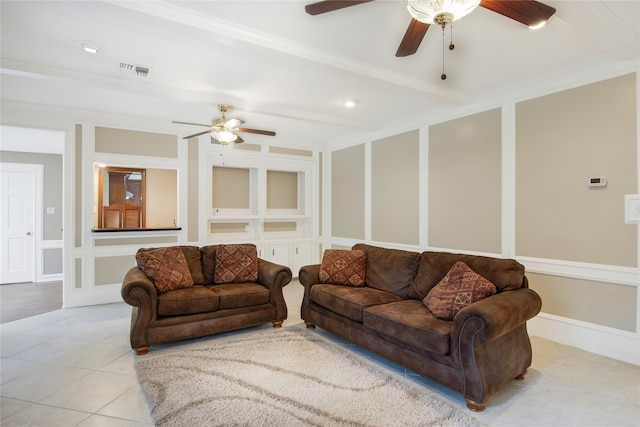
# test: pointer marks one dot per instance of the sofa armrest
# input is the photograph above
(275, 277)
(138, 289)
(308, 276)
(497, 315)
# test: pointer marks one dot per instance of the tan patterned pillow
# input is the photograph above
(459, 288)
(236, 264)
(166, 267)
(343, 267)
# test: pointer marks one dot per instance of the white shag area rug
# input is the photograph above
(283, 377)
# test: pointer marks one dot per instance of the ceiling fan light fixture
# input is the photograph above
(439, 11)
(224, 135)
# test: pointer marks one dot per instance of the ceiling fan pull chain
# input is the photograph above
(451, 45)
(443, 76)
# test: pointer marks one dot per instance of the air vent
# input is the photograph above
(134, 70)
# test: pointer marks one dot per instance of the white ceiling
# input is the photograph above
(283, 70)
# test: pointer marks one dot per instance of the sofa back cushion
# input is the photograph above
(236, 264)
(208, 262)
(505, 274)
(390, 270)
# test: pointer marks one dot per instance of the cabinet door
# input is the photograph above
(279, 254)
(300, 256)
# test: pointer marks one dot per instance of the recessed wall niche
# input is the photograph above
(231, 190)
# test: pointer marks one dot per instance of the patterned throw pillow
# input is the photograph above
(343, 267)
(236, 264)
(166, 267)
(459, 288)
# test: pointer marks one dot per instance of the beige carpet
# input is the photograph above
(283, 377)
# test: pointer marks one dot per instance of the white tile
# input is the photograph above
(40, 416)
(92, 392)
(42, 382)
(131, 405)
(15, 344)
(11, 369)
(9, 406)
(102, 421)
(122, 365)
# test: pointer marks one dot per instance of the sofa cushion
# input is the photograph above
(505, 274)
(236, 264)
(343, 267)
(237, 295)
(193, 300)
(193, 256)
(166, 267)
(390, 270)
(411, 322)
(349, 301)
(459, 288)
(208, 262)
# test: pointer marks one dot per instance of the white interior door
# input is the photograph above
(17, 222)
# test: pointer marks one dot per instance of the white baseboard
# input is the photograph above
(104, 294)
(608, 342)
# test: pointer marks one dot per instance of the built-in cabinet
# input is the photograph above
(265, 200)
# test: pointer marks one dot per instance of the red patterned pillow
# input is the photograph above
(166, 267)
(459, 288)
(236, 264)
(343, 267)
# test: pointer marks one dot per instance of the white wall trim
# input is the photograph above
(596, 272)
(609, 342)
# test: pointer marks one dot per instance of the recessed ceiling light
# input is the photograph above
(90, 48)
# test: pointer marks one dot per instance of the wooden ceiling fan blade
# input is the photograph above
(238, 140)
(330, 5)
(260, 132)
(196, 134)
(412, 38)
(527, 12)
(187, 123)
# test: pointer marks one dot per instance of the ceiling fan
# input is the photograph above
(224, 130)
(443, 12)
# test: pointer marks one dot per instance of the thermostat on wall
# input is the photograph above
(597, 181)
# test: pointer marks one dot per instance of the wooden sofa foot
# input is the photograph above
(309, 325)
(278, 324)
(141, 351)
(475, 406)
(521, 376)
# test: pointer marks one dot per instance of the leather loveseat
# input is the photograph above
(183, 292)
(482, 348)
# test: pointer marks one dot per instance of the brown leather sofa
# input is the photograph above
(205, 307)
(485, 346)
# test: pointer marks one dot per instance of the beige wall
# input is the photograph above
(600, 303)
(162, 198)
(465, 184)
(395, 189)
(347, 192)
(122, 141)
(231, 188)
(282, 190)
(561, 140)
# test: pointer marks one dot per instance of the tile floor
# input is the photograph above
(74, 367)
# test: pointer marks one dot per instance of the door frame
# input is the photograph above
(37, 170)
